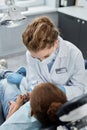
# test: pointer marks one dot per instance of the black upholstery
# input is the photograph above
(72, 104)
(85, 64)
(50, 128)
(1, 115)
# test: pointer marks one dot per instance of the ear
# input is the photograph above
(32, 113)
(56, 43)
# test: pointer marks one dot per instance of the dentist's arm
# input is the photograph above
(76, 85)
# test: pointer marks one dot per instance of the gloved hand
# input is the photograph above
(14, 78)
(22, 71)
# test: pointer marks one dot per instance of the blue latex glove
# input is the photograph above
(61, 88)
(22, 71)
(14, 78)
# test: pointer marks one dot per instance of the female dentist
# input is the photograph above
(52, 59)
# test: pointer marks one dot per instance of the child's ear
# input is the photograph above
(32, 113)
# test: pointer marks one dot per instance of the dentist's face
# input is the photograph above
(45, 53)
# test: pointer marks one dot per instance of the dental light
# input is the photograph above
(12, 15)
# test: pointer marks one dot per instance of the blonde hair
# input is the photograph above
(45, 101)
(41, 33)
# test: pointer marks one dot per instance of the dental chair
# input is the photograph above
(72, 115)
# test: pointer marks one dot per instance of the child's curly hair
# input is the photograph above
(45, 101)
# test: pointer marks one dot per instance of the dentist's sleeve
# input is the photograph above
(76, 85)
(33, 77)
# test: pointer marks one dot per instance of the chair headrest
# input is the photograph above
(72, 104)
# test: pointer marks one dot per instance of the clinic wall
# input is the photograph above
(54, 3)
(11, 38)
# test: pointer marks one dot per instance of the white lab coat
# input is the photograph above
(68, 70)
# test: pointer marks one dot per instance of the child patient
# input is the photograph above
(45, 100)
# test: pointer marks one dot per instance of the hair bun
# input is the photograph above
(53, 108)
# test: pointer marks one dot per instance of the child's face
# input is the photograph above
(45, 53)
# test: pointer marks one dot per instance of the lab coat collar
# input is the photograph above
(62, 47)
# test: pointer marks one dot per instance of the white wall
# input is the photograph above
(82, 3)
(52, 3)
